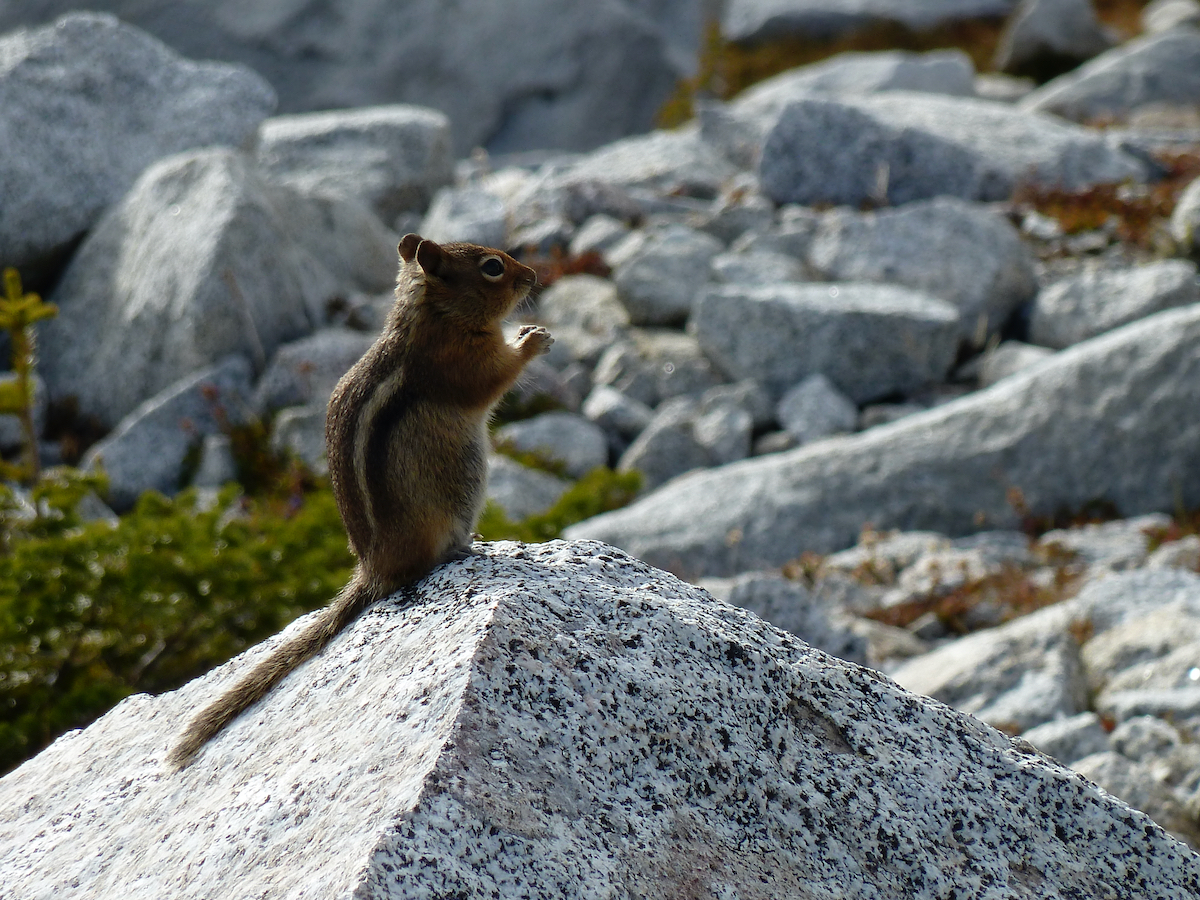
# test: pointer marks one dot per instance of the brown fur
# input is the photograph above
(406, 437)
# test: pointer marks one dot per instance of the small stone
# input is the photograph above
(520, 491)
(814, 409)
(613, 411)
(661, 276)
(466, 214)
(559, 436)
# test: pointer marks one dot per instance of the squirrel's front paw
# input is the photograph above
(533, 340)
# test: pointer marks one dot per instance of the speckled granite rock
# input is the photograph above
(550, 719)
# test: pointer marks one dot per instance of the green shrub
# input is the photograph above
(90, 613)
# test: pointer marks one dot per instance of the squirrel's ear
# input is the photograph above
(408, 246)
(429, 256)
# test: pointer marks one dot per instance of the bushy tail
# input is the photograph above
(355, 597)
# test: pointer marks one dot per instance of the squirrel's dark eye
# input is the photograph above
(492, 267)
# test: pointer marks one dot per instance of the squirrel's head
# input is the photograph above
(479, 285)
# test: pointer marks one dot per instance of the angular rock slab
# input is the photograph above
(946, 247)
(560, 720)
(870, 340)
(1113, 417)
(202, 258)
(1158, 68)
(85, 105)
(390, 158)
(903, 146)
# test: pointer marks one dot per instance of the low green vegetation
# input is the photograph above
(94, 611)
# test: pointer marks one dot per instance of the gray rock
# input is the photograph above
(1098, 300)
(725, 431)
(753, 21)
(88, 103)
(1185, 219)
(300, 431)
(481, 772)
(1071, 738)
(592, 75)
(584, 301)
(661, 275)
(146, 450)
(791, 606)
(1163, 15)
(390, 158)
(1129, 655)
(202, 258)
(1050, 37)
(598, 234)
(667, 162)
(897, 147)
(519, 490)
(747, 394)
(306, 371)
(1123, 544)
(738, 212)
(217, 465)
(791, 237)
(1181, 705)
(869, 340)
(667, 447)
(948, 248)
(1008, 358)
(1154, 69)
(938, 72)
(540, 383)
(951, 469)
(1181, 554)
(654, 365)
(1013, 677)
(613, 411)
(12, 435)
(1126, 596)
(466, 214)
(814, 409)
(622, 368)
(1169, 671)
(1142, 737)
(561, 437)
(756, 268)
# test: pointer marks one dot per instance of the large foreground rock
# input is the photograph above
(560, 720)
(85, 105)
(202, 258)
(1111, 418)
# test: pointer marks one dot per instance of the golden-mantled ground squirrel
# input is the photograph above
(406, 436)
